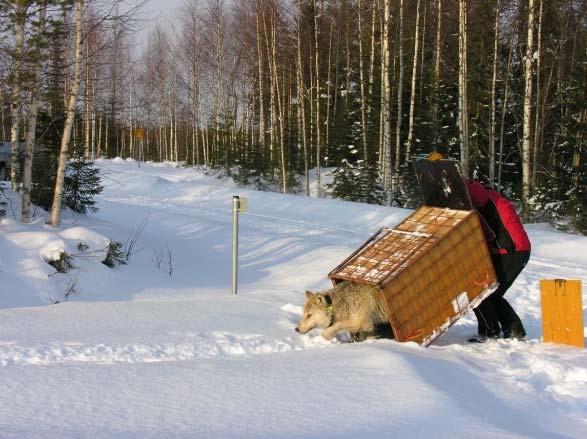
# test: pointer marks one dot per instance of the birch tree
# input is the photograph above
(400, 92)
(437, 50)
(260, 71)
(388, 185)
(503, 114)
(192, 56)
(318, 122)
(463, 100)
(55, 214)
(493, 98)
(527, 140)
(19, 28)
(33, 110)
(301, 113)
(413, 89)
(537, 115)
(362, 85)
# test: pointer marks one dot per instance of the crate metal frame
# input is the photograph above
(432, 268)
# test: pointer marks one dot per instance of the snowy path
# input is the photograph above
(142, 353)
(204, 345)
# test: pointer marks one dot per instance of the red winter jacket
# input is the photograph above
(501, 217)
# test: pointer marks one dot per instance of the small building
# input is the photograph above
(5, 157)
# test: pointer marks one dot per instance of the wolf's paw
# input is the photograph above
(328, 335)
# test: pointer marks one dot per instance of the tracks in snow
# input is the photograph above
(195, 346)
(283, 225)
(275, 224)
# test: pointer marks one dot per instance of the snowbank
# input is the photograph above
(159, 347)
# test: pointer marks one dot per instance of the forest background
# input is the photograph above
(269, 91)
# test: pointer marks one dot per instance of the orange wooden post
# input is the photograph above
(562, 312)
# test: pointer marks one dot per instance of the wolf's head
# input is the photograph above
(317, 313)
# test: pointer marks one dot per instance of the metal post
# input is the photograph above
(235, 210)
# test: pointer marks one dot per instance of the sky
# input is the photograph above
(157, 10)
(166, 7)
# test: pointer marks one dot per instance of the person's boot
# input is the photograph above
(510, 321)
(487, 323)
(481, 326)
(516, 330)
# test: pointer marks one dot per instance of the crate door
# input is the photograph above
(442, 184)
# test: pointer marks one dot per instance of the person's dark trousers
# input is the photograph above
(495, 311)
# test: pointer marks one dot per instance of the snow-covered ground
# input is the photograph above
(141, 352)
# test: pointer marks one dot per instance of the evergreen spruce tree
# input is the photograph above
(344, 184)
(355, 179)
(44, 171)
(561, 197)
(408, 195)
(81, 185)
(357, 182)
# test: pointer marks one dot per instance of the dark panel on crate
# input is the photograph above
(442, 184)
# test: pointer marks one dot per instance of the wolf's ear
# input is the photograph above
(309, 295)
(321, 299)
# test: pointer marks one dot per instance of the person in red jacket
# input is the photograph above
(510, 251)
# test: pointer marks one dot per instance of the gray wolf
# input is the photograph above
(348, 307)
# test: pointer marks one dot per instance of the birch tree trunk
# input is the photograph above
(99, 140)
(302, 143)
(317, 59)
(311, 99)
(537, 139)
(63, 155)
(195, 65)
(2, 116)
(21, 11)
(410, 140)
(93, 116)
(503, 113)
(32, 126)
(463, 101)
(400, 92)
(383, 159)
(106, 136)
(437, 50)
(372, 54)
(362, 85)
(131, 127)
(328, 83)
(272, 97)
(527, 142)
(423, 52)
(261, 92)
(280, 102)
(218, 71)
(86, 105)
(493, 103)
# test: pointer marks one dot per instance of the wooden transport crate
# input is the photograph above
(432, 268)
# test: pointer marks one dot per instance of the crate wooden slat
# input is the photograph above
(432, 267)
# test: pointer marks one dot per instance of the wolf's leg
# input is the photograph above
(361, 336)
(345, 325)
